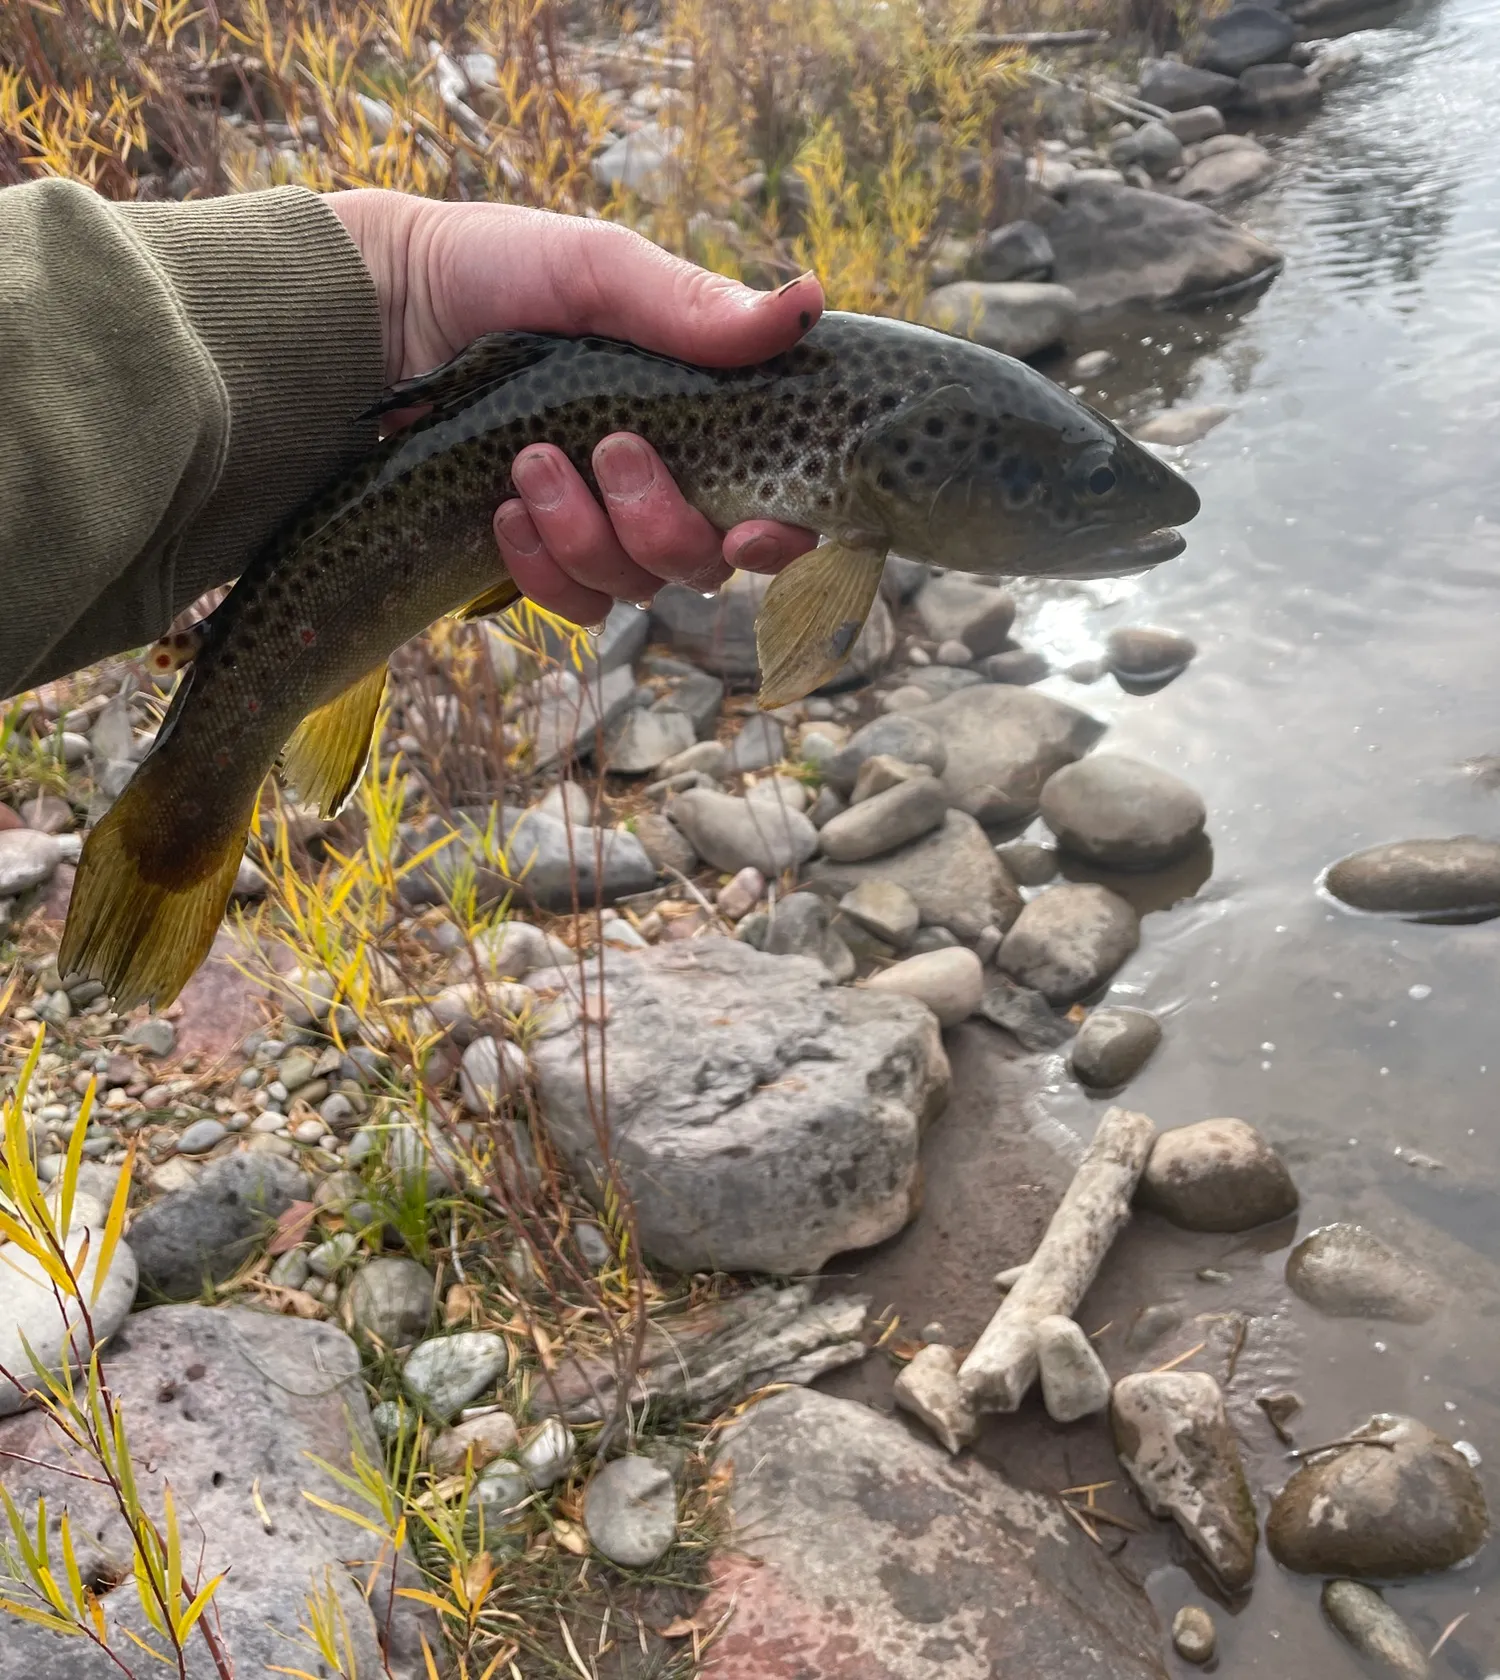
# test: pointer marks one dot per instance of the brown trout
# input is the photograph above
(879, 435)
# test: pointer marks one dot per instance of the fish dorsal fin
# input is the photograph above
(326, 757)
(811, 618)
(505, 594)
(479, 367)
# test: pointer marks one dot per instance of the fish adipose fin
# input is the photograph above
(811, 618)
(494, 600)
(145, 908)
(326, 757)
(481, 366)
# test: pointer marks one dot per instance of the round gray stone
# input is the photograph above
(1030, 864)
(630, 1511)
(1348, 1272)
(894, 736)
(447, 1372)
(885, 821)
(201, 1136)
(27, 859)
(30, 1313)
(1143, 654)
(1193, 1634)
(391, 1299)
(1066, 943)
(1373, 1629)
(1120, 812)
(1408, 1503)
(1455, 877)
(1113, 1045)
(1219, 1175)
(730, 833)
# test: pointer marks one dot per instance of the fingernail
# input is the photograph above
(624, 468)
(760, 554)
(805, 275)
(539, 480)
(516, 529)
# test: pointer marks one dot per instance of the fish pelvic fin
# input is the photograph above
(505, 594)
(811, 618)
(326, 757)
(479, 367)
(144, 908)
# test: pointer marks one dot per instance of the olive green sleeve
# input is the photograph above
(174, 380)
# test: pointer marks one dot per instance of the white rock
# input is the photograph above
(29, 1312)
(928, 1388)
(950, 982)
(1074, 1381)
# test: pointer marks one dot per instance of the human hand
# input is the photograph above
(446, 273)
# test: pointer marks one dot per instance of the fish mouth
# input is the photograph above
(1103, 553)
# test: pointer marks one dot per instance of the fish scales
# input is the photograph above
(874, 433)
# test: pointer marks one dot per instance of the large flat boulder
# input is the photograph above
(761, 1118)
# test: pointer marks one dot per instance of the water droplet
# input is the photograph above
(1470, 1452)
(1419, 992)
(1268, 1047)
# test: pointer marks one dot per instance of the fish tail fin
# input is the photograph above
(145, 906)
(811, 618)
(326, 757)
(505, 594)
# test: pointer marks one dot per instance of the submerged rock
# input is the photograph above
(1194, 1636)
(1066, 943)
(1139, 653)
(1399, 1501)
(1113, 1045)
(1348, 1272)
(875, 1553)
(1458, 877)
(1177, 1446)
(1219, 1175)
(1122, 813)
(762, 1119)
(1372, 1628)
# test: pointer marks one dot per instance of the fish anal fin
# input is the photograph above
(811, 618)
(480, 366)
(326, 757)
(504, 594)
(141, 923)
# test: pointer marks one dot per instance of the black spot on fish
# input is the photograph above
(934, 427)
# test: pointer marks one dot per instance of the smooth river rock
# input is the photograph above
(27, 859)
(630, 1511)
(1113, 1045)
(1372, 1628)
(1348, 1272)
(886, 820)
(1218, 1175)
(956, 607)
(391, 1298)
(1421, 877)
(1122, 813)
(1400, 1501)
(30, 1314)
(1069, 941)
(1003, 745)
(1018, 317)
(1243, 35)
(1175, 1442)
(447, 1372)
(857, 1549)
(1139, 653)
(762, 1118)
(1194, 1637)
(950, 982)
(1180, 87)
(897, 735)
(952, 873)
(732, 834)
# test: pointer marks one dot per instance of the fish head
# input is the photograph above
(1000, 471)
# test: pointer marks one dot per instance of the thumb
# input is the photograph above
(492, 267)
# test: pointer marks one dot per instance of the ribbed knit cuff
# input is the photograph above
(278, 293)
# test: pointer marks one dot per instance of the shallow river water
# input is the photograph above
(1343, 585)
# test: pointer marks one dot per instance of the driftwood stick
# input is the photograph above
(1002, 1365)
(1042, 38)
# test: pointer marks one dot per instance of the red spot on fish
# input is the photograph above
(252, 706)
(221, 758)
(309, 636)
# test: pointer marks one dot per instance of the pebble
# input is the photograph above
(307, 1132)
(1029, 864)
(630, 1511)
(56, 1332)
(1217, 1175)
(800, 927)
(905, 738)
(1139, 653)
(593, 1245)
(490, 1071)
(907, 698)
(447, 1372)
(1410, 1506)
(824, 808)
(741, 893)
(884, 821)
(335, 1110)
(884, 909)
(1113, 1045)
(498, 1491)
(927, 1387)
(27, 859)
(664, 843)
(548, 1455)
(389, 1418)
(152, 1037)
(881, 772)
(732, 833)
(330, 1258)
(1373, 1629)
(953, 653)
(1069, 941)
(290, 1270)
(202, 1136)
(391, 1300)
(269, 1120)
(47, 814)
(1074, 1382)
(1348, 1272)
(1151, 1324)
(1421, 877)
(1176, 1444)
(950, 982)
(480, 1440)
(1194, 1637)
(709, 757)
(760, 743)
(296, 1069)
(1122, 813)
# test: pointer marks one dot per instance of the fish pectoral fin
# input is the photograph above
(504, 594)
(811, 618)
(326, 757)
(487, 362)
(146, 906)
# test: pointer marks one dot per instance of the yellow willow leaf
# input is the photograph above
(150, 1650)
(189, 1618)
(114, 1224)
(71, 1164)
(344, 1512)
(70, 1565)
(174, 1551)
(41, 1618)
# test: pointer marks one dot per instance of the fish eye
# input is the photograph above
(1101, 481)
